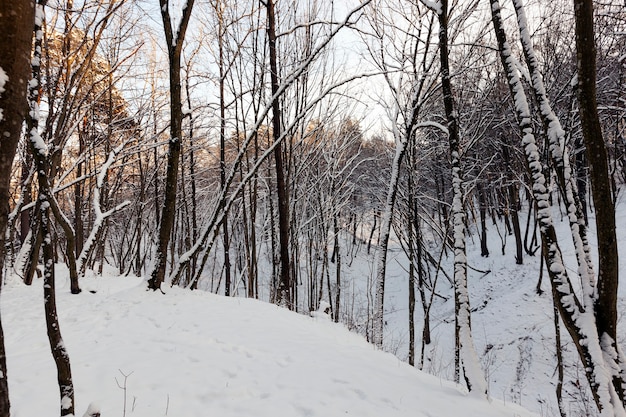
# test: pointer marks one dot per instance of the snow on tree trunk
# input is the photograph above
(385, 229)
(472, 372)
(81, 261)
(46, 204)
(16, 26)
(558, 151)
(579, 319)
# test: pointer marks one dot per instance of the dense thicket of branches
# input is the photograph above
(261, 148)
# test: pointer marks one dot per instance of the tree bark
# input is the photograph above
(46, 205)
(605, 303)
(285, 290)
(174, 48)
(472, 372)
(482, 208)
(16, 26)
(225, 237)
(576, 315)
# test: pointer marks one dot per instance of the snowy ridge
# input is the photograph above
(196, 354)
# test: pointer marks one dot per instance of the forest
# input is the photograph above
(263, 149)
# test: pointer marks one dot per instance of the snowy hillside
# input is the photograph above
(195, 354)
(513, 326)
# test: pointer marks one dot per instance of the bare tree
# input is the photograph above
(285, 286)
(579, 316)
(46, 204)
(16, 25)
(605, 299)
(474, 376)
(174, 42)
(410, 89)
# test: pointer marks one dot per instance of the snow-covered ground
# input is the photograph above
(513, 326)
(196, 354)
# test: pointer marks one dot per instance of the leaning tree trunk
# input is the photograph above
(385, 230)
(578, 317)
(558, 151)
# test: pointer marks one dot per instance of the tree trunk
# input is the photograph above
(578, 317)
(25, 215)
(285, 290)
(16, 26)
(411, 246)
(474, 376)
(57, 347)
(385, 230)
(482, 208)
(174, 48)
(513, 212)
(225, 236)
(46, 204)
(337, 254)
(78, 195)
(605, 303)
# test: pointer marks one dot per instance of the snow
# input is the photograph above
(433, 5)
(93, 410)
(196, 354)
(38, 142)
(66, 403)
(433, 124)
(3, 80)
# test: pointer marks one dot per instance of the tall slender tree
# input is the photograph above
(285, 288)
(474, 376)
(46, 204)
(605, 302)
(219, 11)
(417, 58)
(174, 42)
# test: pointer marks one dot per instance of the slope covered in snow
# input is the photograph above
(512, 325)
(196, 354)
